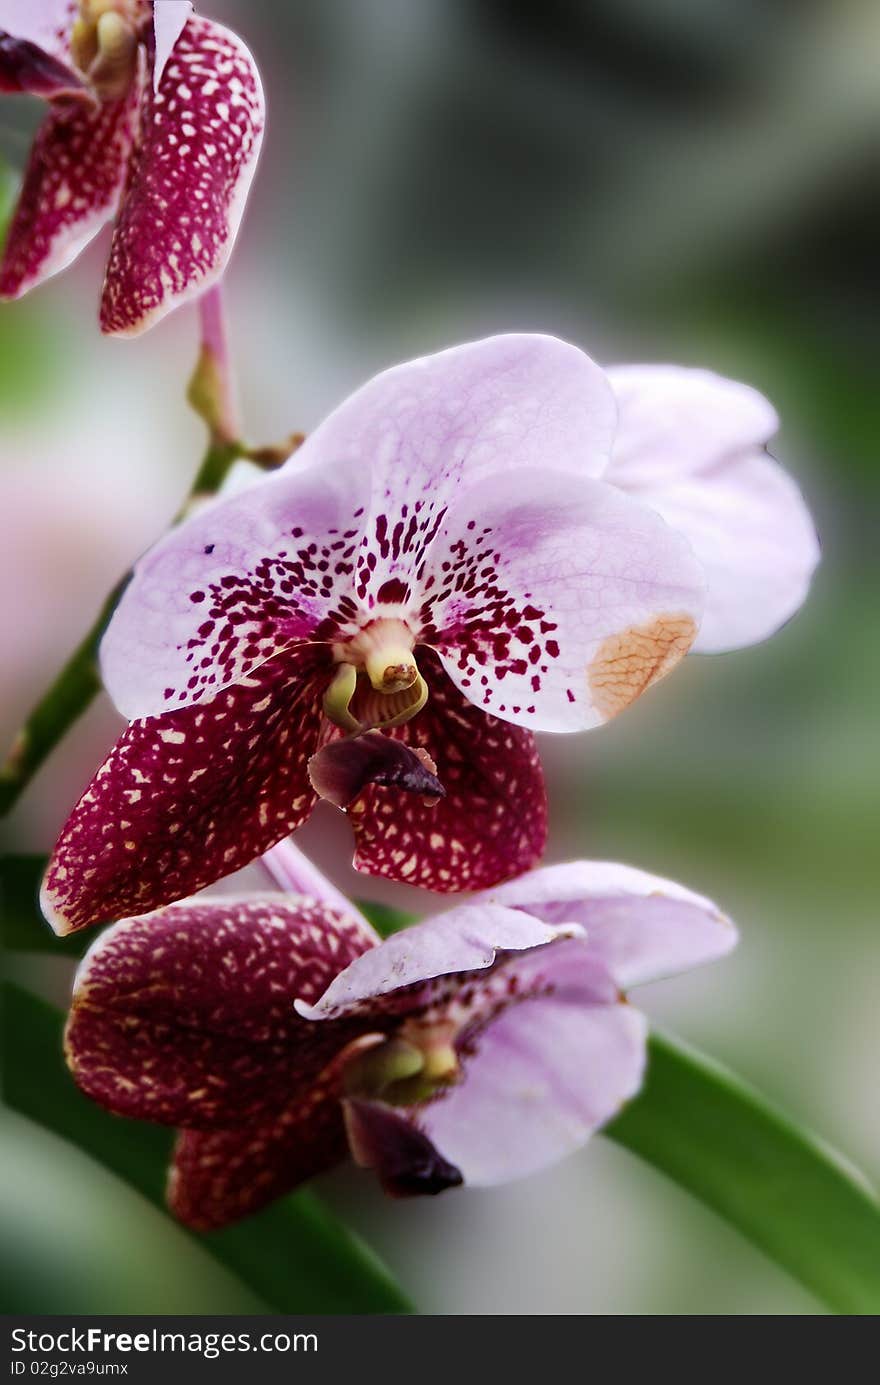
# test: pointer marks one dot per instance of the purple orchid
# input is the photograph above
(156, 117)
(479, 1046)
(448, 564)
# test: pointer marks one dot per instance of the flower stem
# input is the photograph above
(211, 390)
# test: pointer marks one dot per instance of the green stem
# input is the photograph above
(777, 1184)
(79, 680)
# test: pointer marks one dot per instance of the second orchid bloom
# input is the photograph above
(468, 550)
(479, 1046)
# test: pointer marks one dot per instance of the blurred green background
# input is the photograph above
(683, 180)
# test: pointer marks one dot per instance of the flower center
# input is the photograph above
(377, 683)
(407, 1068)
(103, 45)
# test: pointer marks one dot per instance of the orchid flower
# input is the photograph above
(436, 573)
(477, 1047)
(448, 564)
(156, 117)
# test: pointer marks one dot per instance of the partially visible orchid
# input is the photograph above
(156, 117)
(448, 564)
(479, 1046)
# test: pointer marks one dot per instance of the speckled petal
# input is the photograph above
(462, 941)
(189, 797)
(72, 185)
(555, 600)
(425, 429)
(185, 1016)
(692, 445)
(44, 23)
(545, 1073)
(220, 1176)
(641, 926)
(492, 822)
(195, 158)
(242, 579)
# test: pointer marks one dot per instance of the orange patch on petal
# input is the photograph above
(629, 662)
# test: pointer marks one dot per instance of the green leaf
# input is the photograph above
(384, 917)
(295, 1255)
(778, 1185)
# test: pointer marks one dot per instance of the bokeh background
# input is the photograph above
(682, 180)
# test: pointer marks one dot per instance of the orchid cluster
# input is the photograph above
(478, 547)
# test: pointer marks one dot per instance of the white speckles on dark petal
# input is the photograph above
(73, 181)
(183, 205)
(186, 1016)
(492, 823)
(207, 803)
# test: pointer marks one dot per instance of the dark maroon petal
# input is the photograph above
(186, 1016)
(386, 1140)
(186, 798)
(24, 66)
(344, 768)
(492, 823)
(220, 1176)
(72, 186)
(195, 158)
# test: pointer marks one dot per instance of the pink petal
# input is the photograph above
(641, 926)
(691, 445)
(169, 20)
(492, 821)
(196, 156)
(751, 530)
(545, 1074)
(189, 797)
(556, 600)
(485, 409)
(463, 940)
(72, 184)
(242, 579)
(220, 1176)
(674, 421)
(186, 1017)
(295, 874)
(44, 23)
